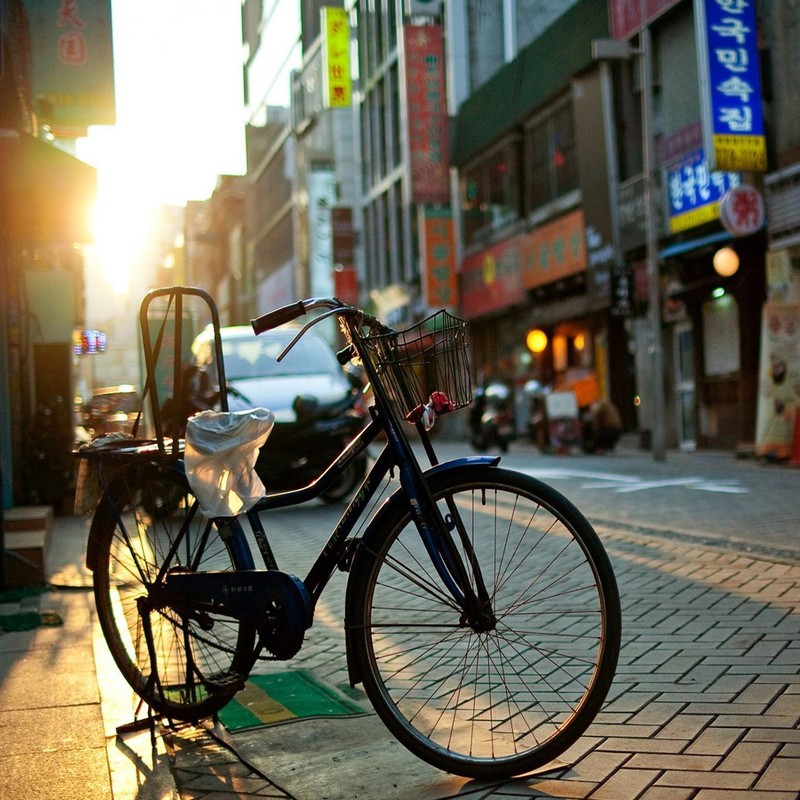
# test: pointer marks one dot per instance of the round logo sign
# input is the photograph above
(741, 210)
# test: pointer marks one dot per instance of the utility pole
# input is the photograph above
(653, 271)
(617, 50)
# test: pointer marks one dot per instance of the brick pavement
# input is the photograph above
(705, 703)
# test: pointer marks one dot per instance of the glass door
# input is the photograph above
(685, 386)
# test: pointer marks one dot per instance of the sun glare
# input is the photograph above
(179, 122)
(121, 210)
(120, 229)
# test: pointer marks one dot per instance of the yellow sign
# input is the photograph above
(740, 153)
(336, 57)
(697, 216)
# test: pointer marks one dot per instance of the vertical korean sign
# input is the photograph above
(427, 113)
(730, 85)
(440, 258)
(337, 88)
(72, 65)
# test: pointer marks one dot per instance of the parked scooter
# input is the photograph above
(553, 418)
(557, 423)
(297, 452)
(492, 418)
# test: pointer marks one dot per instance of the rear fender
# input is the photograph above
(98, 521)
(394, 505)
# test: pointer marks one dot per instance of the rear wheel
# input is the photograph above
(183, 664)
(503, 698)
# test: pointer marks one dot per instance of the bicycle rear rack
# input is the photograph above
(163, 319)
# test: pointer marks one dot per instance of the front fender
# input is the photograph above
(394, 506)
(466, 461)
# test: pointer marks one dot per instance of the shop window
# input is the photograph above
(490, 192)
(551, 157)
(721, 336)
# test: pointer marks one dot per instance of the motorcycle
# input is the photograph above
(492, 418)
(557, 424)
(297, 452)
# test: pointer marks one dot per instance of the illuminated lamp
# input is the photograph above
(726, 261)
(536, 340)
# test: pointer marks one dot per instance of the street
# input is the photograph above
(739, 503)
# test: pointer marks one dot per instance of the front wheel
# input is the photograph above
(503, 701)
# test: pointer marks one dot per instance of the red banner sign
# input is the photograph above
(427, 113)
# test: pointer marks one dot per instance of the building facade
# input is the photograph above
(498, 159)
(553, 209)
(46, 195)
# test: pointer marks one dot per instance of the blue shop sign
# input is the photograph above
(733, 118)
(695, 192)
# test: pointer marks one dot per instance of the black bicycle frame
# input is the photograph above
(334, 548)
(395, 454)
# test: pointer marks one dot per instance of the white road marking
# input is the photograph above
(623, 484)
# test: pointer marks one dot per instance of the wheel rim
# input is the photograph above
(520, 692)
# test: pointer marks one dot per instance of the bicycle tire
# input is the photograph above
(509, 700)
(198, 657)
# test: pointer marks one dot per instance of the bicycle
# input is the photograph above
(481, 616)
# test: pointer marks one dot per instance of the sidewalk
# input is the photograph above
(705, 706)
(52, 742)
(62, 697)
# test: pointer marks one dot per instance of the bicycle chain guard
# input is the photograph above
(277, 603)
(289, 613)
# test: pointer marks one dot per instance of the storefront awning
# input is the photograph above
(695, 244)
(46, 195)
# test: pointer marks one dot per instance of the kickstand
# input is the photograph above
(145, 723)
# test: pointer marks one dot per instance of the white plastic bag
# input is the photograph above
(221, 452)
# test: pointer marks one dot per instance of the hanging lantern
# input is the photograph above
(726, 261)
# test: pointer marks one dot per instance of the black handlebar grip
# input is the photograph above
(280, 316)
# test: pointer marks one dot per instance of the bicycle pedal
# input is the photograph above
(224, 682)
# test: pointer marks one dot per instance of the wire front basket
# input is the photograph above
(428, 357)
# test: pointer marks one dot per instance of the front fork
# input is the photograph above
(471, 595)
(463, 580)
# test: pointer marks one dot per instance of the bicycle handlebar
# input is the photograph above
(284, 314)
(280, 316)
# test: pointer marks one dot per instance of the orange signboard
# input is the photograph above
(499, 276)
(441, 290)
(553, 250)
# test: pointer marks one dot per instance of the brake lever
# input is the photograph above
(305, 327)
